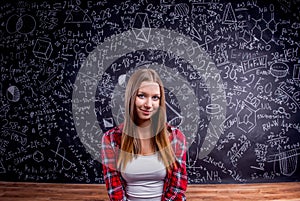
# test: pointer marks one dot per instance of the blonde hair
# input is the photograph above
(130, 143)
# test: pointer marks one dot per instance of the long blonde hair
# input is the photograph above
(130, 143)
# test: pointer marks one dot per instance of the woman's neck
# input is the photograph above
(144, 132)
(147, 147)
(145, 136)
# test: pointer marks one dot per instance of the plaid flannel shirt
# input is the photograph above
(175, 183)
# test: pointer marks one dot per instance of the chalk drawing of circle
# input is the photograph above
(27, 23)
(181, 9)
(13, 94)
(122, 80)
(88, 76)
(24, 24)
(11, 25)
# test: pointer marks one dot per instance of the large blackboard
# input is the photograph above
(231, 71)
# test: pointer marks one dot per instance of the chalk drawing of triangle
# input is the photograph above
(195, 33)
(185, 91)
(108, 122)
(229, 15)
(77, 15)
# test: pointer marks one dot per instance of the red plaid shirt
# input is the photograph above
(175, 183)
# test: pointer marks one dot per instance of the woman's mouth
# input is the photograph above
(146, 112)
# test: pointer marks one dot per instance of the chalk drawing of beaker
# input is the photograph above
(279, 70)
(288, 161)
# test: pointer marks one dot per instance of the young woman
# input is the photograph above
(144, 158)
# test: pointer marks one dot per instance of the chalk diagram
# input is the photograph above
(141, 26)
(38, 156)
(181, 9)
(279, 70)
(13, 94)
(246, 117)
(24, 24)
(229, 15)
(77, 16)
(264, 29)
(288, 161)
(296, 72)
(42, 49)
(61, 153)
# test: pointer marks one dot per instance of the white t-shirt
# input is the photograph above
(144, 177)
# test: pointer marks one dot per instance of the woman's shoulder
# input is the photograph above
(114, 134)
(175, 133)
(115, 130)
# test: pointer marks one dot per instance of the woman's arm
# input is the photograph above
(177, 182)
(112, 176)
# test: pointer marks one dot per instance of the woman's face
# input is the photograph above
(147, 101)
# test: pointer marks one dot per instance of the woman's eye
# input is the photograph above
(141, 95)
(155, 97)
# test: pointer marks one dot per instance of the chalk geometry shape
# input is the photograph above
(229, 15)
(141, 27)
(42, 49)
(246, 118)
(24, 24)
(13, 94)
(296, 72)
(77, 16)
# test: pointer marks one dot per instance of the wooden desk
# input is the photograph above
(18, 191)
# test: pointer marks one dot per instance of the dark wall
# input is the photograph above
(231, 71)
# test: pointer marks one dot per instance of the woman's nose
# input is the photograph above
(148, 102)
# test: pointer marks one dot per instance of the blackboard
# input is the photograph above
(231, 71)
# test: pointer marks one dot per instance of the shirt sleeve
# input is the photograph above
(112, 176)
(178, 175)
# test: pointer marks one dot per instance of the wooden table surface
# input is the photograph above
(17, 191)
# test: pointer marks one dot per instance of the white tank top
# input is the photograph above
(144, 177)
